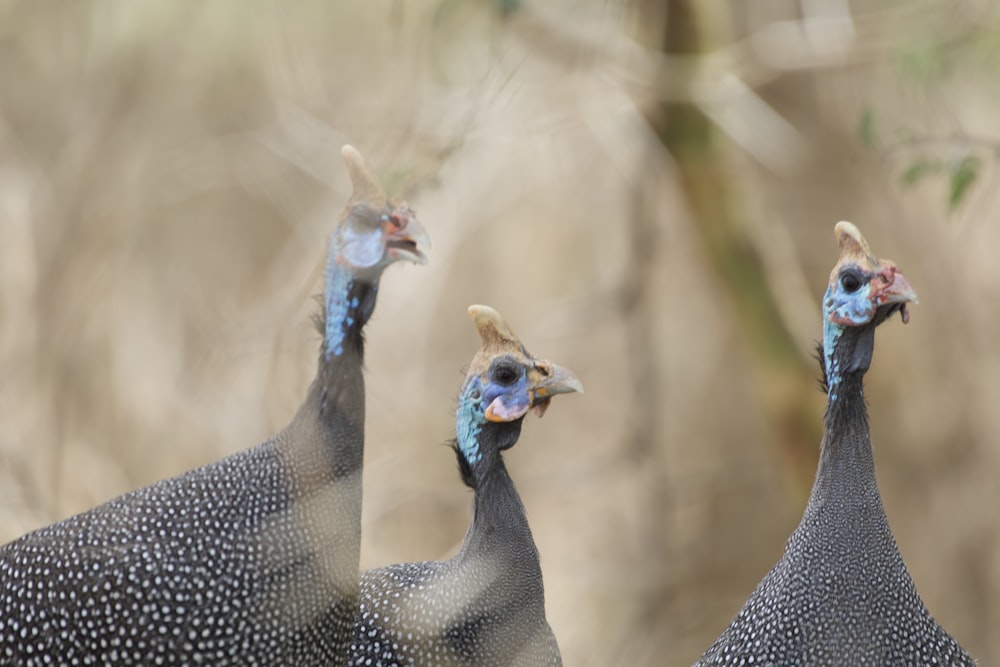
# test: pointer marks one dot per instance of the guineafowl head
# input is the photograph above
(373, 233)
(503, 383)
(863, 292)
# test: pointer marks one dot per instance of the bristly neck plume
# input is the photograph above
(348, 302)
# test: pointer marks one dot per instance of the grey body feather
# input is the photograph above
(841, 594)
(251, 560)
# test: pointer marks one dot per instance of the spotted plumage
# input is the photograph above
(486, 605)
(841, 594)
(252, 560)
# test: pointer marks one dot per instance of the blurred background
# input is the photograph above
(646, 190)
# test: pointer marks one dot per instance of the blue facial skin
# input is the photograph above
(839, 305)
(473, 402)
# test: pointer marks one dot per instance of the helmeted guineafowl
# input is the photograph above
(841, 594)
(252, 560)
(486, 605)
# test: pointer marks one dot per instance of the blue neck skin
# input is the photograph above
(469, 420)
(348, 303)
(831, 333)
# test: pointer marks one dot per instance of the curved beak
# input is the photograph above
(549, 379)
(405, 238)
(892, 288)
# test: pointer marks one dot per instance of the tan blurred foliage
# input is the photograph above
(169, 172)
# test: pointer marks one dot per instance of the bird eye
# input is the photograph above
(365, 216)
(850, 281)
(505, 375)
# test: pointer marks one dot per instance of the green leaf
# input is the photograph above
(919, 169)
(508, 7)
(867, 131)
(924, 62)
(963, 175)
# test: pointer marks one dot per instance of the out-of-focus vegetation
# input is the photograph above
(647, 191)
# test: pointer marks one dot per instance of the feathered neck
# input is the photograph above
(330, 423)
(499, 513)
(478, 448)
(847, 353)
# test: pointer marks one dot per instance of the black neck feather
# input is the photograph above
(331, 421)
(846, 439)
(493, 438)
(844, 382)
(499, 525)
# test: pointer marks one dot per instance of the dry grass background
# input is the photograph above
(169, 173)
